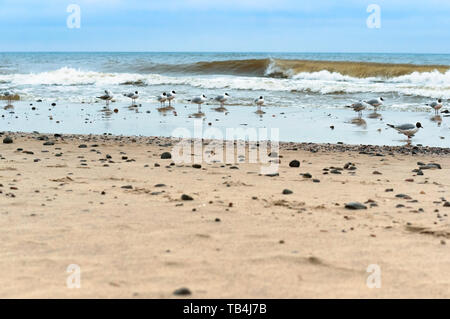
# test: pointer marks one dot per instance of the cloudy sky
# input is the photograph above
(226, 25)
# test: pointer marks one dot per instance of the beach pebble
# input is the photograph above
(7, 140)
(294, 163)
(127, 187)
(446, 204)
(287, 191)
(166, 155)
(307, 175)
(186, 197)
(196, 166)
(182, 292)
(355, 205)
(82, 146)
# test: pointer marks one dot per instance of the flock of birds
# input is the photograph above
(169, 97)
(407, 129)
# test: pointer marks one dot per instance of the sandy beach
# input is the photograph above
(114, 207)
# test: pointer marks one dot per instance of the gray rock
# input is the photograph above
(287, 191)
(355, 205)
(7, 140)
(186, 197)
(166, 155)
(294, 163)
(182, 292)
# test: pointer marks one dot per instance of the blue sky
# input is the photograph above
(226, 25)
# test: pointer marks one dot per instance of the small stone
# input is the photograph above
(82, 146)
(294, 163)
(355, 205)
(447, 204)
(196, 166)
(166, 155)
(7, 140)
(182, 292)
(127, 187)
(307, 175)
(287, 191)
(376, 173)
(186, 197)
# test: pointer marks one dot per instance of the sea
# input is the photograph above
(305, 85)
(303, 80)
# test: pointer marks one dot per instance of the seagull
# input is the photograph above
(199, 101)
(107, 97)
(375, 102)
(358, 107)
(170, 96)
(259, 101)
(222, 99)
(436, 105)
(162, 98)
(132, 96)
(407, 129)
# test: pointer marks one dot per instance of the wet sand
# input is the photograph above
(112, 206)
(297, 124)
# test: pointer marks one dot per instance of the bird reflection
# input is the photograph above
(437, 119)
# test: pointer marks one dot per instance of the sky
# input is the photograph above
(226, 25)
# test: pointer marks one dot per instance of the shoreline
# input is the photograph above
(113, 206)
(292, 124)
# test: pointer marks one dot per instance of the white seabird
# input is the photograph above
(162, 98)
(259, 102)
(170, 96)
(436, 105)
(375, 102)
(106, 97)
(222, 99)
(407, 129)
(358, 107)
(133, 96)
(199, 101)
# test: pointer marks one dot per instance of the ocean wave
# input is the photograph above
(285, 68)
(433, 84)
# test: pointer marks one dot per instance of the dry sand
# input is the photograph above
(239, 237)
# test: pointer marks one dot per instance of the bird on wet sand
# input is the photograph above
(162, 98)
(407, 129)
(170, 96)
(358, 107)
(436, 105)
(259, 102)
(376, 103)
(133, 96)
(199, 100)
(107, 97)
(222, 99)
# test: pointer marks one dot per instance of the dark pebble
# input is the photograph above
(355, 205)
(7, 140)
(182, 292)
(166, 155)
(186, 197)
(294, 163)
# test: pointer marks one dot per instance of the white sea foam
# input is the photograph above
(427, 84)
